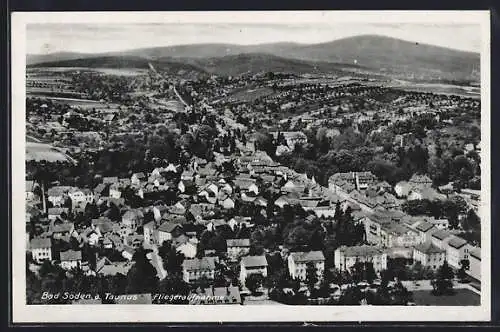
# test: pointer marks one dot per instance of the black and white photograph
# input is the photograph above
(251, 166)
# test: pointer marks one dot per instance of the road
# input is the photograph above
(426, 285)
(156, 260)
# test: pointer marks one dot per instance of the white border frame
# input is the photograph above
(23, 313)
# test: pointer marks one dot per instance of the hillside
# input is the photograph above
(171, 67)
(233, 65)
(374, 54)
(392, 55)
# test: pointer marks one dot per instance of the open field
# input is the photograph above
(249, 94)
(41, 151)
(107, 71)
(462, 297)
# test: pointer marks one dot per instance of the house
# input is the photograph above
(297, 263)
(394, 234)
(474, 262)
(57, 213)
(252, 265)
(457, 250)
(439, 238)
(425, 230)
(148, 231)
(417, 183)
(239, 221)
(291, 137)
(343, 183)
(440, 223)
(110, 180)
(104, 225)
(216, 295)
(421, 181)
(429, 255)
(167, 231)
(215, 223)
(100, 191)
(237, 248)
(346, 257)
(89, 195)
(41, 249)
(78, 197)
(132, 219)
(61, 230)
(29, 191)
(137, 178)
(196, 268)
(71, 259)
(159, 211)
(57, 195)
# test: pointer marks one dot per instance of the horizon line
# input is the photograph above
(259, 44)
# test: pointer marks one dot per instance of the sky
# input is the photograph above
(43, 38)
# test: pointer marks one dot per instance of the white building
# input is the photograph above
(71, 259)
(346, 257)
(41, 249)
(298, 261)
(252, 265)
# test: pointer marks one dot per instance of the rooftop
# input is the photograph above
(457, 242)
(308, 256)
(363, 250)
(39, 243)
(428, 248)
(204, 263)
(441, 234)
(238, 242)
(71, 255)
(254, 261)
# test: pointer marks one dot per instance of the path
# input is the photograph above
(157, 262)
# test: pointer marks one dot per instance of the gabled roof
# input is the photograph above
(310, 256)
(205, 263)
(363, 250)
(457, 242)
(424, 226)
(428, 248)
(254, 261)
(61, 227)
(168, 227)
(441, 234)
(238, 242)
(71, 255)
(39, 243)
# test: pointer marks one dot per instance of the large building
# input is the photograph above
(429, 255)
(346, 257)
(298, 261)
(41, 249)
(237, 248)
(197, 268)
(252, 265)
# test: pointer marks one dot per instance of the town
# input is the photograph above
(167, 187)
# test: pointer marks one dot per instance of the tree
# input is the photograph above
(443, 283)
(311, 275)
(141, 278)
(253, 282)
(173, 285)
